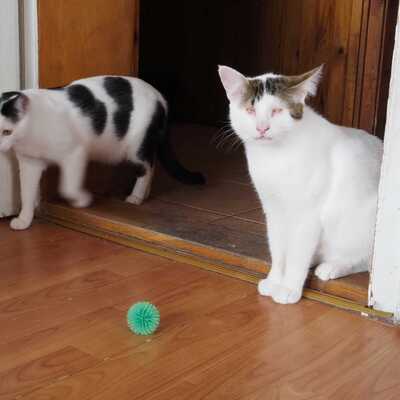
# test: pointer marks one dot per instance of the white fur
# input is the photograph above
(318, 184)
(54, 132)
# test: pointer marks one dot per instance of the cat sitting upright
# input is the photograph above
(106, 118)
(317, 182)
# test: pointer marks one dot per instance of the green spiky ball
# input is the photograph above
(143, 318)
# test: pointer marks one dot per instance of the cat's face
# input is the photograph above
(13, 107)
(265, 108)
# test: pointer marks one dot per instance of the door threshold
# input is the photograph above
(111, 223)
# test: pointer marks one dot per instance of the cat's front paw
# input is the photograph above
(20, 224)
(134, 200)
(284, 295)
(83, 200)
(327, 271)
(267, 286)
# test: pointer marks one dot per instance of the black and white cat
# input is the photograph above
(317, 182)
(106, 118)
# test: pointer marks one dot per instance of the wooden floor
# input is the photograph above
(63, 300)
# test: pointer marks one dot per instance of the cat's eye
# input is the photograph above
(276, 111)
(7, 132)
(251, 110)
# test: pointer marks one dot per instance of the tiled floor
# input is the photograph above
(232, 217)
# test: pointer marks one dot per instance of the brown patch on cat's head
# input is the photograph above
(254, 91)
(290, 89)
(293, 90)
(276, 86)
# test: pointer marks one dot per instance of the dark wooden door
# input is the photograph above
(353, 38)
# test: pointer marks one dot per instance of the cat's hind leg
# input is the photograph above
(73, 168)
(332, 270)
(141, 190)
(30, 172)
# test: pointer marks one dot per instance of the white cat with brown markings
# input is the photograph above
(106, 118)
(317, 182)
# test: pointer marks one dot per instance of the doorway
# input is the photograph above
(180, 45)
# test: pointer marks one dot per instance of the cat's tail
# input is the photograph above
(169, 161)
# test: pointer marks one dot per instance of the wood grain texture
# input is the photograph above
(78, 39)
(372, 64)
(30, 375)
(218, 339)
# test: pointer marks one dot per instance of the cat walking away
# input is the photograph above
(105, 118)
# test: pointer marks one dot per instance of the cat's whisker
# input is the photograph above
(221, 133)
(235, 145)
(217, 136)
(225, 140)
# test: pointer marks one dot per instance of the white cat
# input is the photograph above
(317, 181)
(107, 118)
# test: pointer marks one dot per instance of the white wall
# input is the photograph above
(9, 46)
(9, 80)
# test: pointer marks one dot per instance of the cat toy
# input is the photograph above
(143, 318)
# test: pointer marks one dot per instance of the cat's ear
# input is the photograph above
(14, 105)
(304, 85)
(21, 102)
(234, 82)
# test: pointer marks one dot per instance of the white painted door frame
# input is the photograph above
(9, 80)
(30, 52)
(384, 293)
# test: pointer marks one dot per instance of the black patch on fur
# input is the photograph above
(120, 90)
(157, 141)
(152, 137)
(138, 169)
(270, 85)
(83, 98)
(8, 108)
(274, 85)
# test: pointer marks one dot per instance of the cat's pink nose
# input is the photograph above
(262, 130)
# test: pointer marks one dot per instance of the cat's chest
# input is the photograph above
(280, 173)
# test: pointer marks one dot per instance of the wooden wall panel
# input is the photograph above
(85, 38)
(370, 65)
(256, 36)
